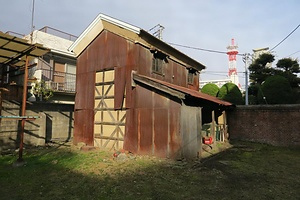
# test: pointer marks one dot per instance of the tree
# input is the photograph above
(211, 89)
(289, 69)
(252, 94)
(276, 90)
(260, 72)
(259, 69)
(231, 93)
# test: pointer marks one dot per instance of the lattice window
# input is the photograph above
(157, 65)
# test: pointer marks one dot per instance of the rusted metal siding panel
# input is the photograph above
(84, 126)
(175, 139)
(107, 51)
(190, 129)
(84, 98)
(145, 126)
(144, 61)
(143, 98)
(180, 75)
(82, 63)
(161, 132)
(120, 80)
(131, 134)
(168, 71)
(157, 121)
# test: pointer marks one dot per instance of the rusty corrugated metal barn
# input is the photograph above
(136, 92)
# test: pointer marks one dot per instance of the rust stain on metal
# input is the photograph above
(119, 81)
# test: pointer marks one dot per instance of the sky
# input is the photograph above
(205, 24)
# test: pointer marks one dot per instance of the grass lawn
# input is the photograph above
(246, 171)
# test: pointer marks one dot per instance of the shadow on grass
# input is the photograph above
(248, 171)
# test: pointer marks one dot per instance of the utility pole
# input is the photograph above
(245, 59)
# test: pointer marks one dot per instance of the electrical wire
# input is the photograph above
(293, 53)
(200, 49)
(285, 37)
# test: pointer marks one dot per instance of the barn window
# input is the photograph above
(157, 65)
(191, 75)
(158, 61)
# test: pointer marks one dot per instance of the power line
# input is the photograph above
(200, 49)
(286, 37)
(293, 53)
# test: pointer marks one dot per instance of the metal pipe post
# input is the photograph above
(246, 78)
(23, 110)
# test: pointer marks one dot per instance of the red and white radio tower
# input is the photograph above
(232, 73)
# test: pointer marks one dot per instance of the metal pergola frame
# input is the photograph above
(17, 52)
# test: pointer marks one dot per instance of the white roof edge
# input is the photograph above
(71, 54)
(105, 18)
(120, 23)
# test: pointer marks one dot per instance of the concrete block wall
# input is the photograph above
(55, 123)
(271, 124)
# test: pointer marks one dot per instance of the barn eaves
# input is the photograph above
(177, 91)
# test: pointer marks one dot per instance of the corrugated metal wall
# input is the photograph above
(152, 119)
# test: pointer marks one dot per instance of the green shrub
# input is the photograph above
(276, 90)
(211, 89)
(231, 93)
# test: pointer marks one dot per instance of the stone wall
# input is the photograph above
(271, 124)
(55, 122)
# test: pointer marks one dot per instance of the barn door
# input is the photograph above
(109, 124)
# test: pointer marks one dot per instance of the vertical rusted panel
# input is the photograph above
(84, 126)
(174, 137)
(177, 74)
(168, 72)
(85, 86)
(143, 107)
(143, 97)
(190, 129)
(81, 63)
(183, 74)
(145, 61)
(106, 51)
(161, 130)
(119, 87)
(145, 130)
(131, 133)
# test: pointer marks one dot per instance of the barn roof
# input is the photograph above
(133, 33)
(178, 91)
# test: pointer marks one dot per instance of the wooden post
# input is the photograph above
(20, 159)
(213, 127)
(225, 134)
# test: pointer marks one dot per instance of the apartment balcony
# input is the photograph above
(59, 81)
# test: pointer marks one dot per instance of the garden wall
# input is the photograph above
(55, 124)
(271, 124)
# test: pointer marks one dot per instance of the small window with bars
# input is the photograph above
(158, 61)
(157, 65)
(191, 75)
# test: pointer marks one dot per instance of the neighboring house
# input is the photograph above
(58, 67)
(136, 92)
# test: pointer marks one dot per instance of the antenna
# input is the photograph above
(158, 29)
(32, 18)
